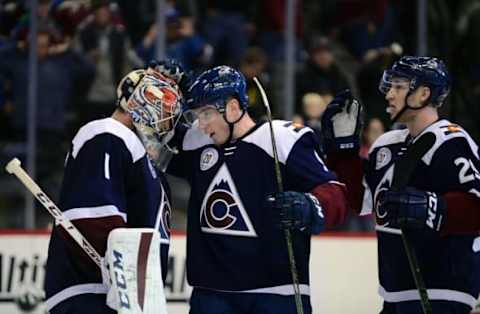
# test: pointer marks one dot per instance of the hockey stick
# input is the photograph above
(278, 176)
(14, 167)
(403, 171)
(121, 243)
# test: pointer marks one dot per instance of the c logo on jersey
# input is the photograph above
(383, 185)
(208, 158)
(384, 156)
(224, 200)
(163, 218)
(222, 210)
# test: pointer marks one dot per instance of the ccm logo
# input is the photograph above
(432, 209)
(120, 280)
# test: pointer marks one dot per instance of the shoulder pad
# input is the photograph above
(390, 137)
(109, 126)
(286, 135)
(445, 131)
(195, 138)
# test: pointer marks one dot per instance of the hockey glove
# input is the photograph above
(295, 210)
(414, 209)
(342, 123)
(173, 70)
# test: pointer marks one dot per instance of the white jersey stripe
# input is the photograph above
(388, 230)
(94, 212)
(279, 290)
(111, 126)
(433, 294)
(285, 138)
(72, 291)
(107, 166)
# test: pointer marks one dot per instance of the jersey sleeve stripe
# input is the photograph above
(433, 294)
(442, 137)
(96, 288)
(107, 166)
(281, 290)
(94, 212)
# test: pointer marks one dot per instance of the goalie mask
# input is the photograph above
(154, 103)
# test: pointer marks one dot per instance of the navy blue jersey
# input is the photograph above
(232, 244)
(450, 264)
(108, 182)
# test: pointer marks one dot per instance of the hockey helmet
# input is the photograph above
(420, 71)
(152, 100)
(214, 86)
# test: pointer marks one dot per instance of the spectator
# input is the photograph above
(373, 63)
(107, 46)
(321, 74)
(58, 75)
(254, 64)
(273, 25)
(374, 129)
(314, 105)
(183, 44)
(226, 27)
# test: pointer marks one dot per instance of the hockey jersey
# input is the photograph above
(450, 265)
(108, 182)
(232, 244)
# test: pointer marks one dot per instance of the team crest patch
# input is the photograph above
(208, 158)
(222, 210)
(384, 156)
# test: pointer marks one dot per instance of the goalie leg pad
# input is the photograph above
(133, 259)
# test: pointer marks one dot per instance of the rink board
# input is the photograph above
(343, 274)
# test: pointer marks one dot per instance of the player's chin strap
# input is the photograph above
(406, 106)
(231, 125)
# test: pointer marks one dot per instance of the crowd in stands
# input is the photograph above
(84, 47)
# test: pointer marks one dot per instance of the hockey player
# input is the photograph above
(110, 182)
(237, 260)
(439, 207)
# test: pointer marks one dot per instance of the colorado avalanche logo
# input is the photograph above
(222, 210)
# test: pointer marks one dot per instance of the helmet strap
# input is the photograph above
(406, 106)
(231, 125)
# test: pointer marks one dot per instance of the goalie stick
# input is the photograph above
(403, 171)
(278, 177)
(130, 253)
(14, 167)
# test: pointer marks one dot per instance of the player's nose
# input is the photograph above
(390, 94)
(202, 125)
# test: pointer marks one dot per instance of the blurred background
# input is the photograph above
(60, 61)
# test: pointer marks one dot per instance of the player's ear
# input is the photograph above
(233, 109)
(424, 94)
